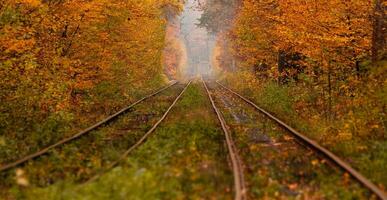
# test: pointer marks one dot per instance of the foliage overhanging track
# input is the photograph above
(239, 181)
(78, 135)
(317, 147)
(142, 139)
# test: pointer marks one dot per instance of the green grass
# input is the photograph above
(184, 159)
(80, 159)
(356, 135)
(277, 167)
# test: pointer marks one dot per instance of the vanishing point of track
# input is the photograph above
(237, 168)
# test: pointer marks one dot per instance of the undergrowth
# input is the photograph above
(184, 158)
(357, 132)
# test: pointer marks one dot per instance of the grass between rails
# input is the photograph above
(277, 167)
(78, 160)
(30, 137)
(360, 147)
(184, 159)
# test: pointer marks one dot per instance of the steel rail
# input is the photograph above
(142, 139)
(81, 133)
(239, 182)
(317, 147)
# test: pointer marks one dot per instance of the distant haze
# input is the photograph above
(199, 43)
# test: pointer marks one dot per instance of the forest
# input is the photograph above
(324, 62)
(72, 62)
(67, 65)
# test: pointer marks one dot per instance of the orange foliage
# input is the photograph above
(66, 58)
(336, 29)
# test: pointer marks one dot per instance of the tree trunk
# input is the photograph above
(329, 92)
(281, 66)
(379, 31)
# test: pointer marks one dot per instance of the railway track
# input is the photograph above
(320, 150)
(46, 150)
(142, 139)
(237, 168)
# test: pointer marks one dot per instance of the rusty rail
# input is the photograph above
(239, 181)
(142, 139)
(81, 133)
(317, 147)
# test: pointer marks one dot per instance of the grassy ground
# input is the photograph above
(79, 160)
(276, 166)
(30, 137)
(184, 159)
(349, 136)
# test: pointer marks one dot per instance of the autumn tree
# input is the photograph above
(65, 64)
(379, 30)
(325, 40)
